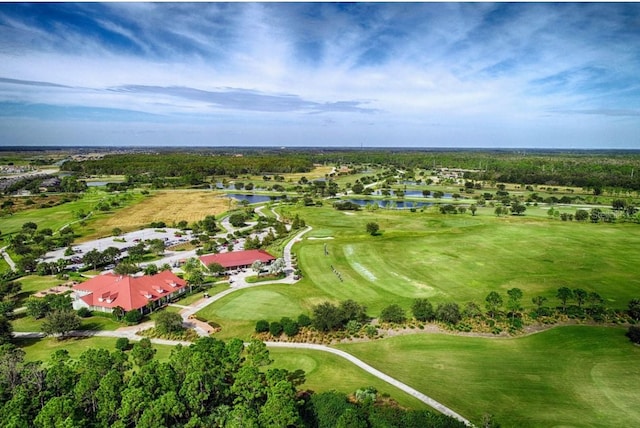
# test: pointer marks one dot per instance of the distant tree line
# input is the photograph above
(183, 164)
(593, 170)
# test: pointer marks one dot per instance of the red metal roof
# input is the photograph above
(128, 292)
(237, 258)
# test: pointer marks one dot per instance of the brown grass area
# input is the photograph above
(167, 205)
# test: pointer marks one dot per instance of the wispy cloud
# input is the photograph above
(492, 72)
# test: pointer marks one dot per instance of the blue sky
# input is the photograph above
(546, 75)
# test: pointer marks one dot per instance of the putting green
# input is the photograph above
(253, 305)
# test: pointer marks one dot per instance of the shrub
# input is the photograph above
(449, 313)
(634, 309)
(122, 344)
(262, 326)
(169, 322)
(370, 330)
(304, 320)
(289, 326)
(422, 310)
(275, 328)
(634, 334)
(84, 313)
(393, 313)
(353, 327)
(133, 317)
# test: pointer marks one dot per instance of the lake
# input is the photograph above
(384, 203)
(252, 199)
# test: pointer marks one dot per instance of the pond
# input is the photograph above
(385, 203)
(415, 193)
(252, 199)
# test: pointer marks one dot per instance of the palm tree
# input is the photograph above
(118, 312)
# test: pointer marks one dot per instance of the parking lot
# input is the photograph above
(169, 235)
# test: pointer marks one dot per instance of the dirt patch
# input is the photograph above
(60, 289)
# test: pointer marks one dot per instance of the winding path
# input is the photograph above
(377, 373)
(131, 335)
(7, 258)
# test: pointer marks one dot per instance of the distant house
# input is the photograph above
(237, 259)
(105, 292)
(50, 184)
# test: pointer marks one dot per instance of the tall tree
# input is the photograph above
(493, 301)
(564, 294)
(143, 352)
(515, 294)
(60, 323)
(580, 295)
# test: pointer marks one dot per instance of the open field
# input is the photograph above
(456, 258)
(166, 205)
(325, 372)
(53, 217)
(567, 376)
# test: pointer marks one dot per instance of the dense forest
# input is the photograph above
(207, 384)
(179, 164)
(591, 170)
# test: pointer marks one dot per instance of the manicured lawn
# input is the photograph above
(23, 322)
(238, 312)
(462, 258)
(457, 258)
(33, 283)
(325, 372)
(4, 266)
(567, 376)
(41, 349)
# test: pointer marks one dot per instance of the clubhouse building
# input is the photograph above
(237, 259)
(105, 292)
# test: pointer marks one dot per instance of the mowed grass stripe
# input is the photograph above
(463, 258)
(567, 376)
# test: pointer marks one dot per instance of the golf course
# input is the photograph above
(445, 259)
(535, 358)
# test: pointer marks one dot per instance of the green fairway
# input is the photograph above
(326, 371)
(462, 258)
(238, 312)
(567, 376)
(454, 258)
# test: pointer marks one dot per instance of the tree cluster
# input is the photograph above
(209, 383)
